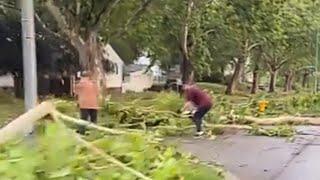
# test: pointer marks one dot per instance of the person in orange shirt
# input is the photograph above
(88, 94)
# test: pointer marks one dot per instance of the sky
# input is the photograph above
(143, 60)
(146, 61)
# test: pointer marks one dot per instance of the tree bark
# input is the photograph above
(23, 124)
(291, 81)
(286, 82)
(242, 76)
(186, 66)
(305, 79)
(94, 56)
(186, 70)
(278, 120)
(255, 81)
(273, 80)
(18, 4)
(289, 76)
(235, 77)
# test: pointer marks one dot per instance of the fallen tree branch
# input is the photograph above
(24, 123)
(229, 126)
(284, 119)
(161, 111)
(109, 158)
(278, 120)
(223, 126)
(87, 124)
(101, 153)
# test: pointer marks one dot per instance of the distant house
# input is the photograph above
(137, 78)
(115, 75)
(6, 81)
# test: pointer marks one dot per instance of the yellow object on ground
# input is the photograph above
(263, 105)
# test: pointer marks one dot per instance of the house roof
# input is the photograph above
(134, 68)
(111, 55)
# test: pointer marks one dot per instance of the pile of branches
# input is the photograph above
(131, 116)
(60, 153)
(170, 123)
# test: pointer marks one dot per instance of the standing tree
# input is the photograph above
(239, 20)
(174, 30)
(287, 37)
(82, 23)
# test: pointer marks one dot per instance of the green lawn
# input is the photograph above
(10, 107)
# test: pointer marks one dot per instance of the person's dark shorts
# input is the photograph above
(89, 115)
(198, 116)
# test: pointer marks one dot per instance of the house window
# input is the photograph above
(111, 67)
(116, 70)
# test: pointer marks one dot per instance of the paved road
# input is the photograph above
(261, 158)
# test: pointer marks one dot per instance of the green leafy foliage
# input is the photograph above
(278, 131)
(7, 113)
(56, 155)
(168, 101)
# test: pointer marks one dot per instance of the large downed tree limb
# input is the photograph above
(229, 126)
(280, 120)
(285, 119)
(109, 158)
(101, 153)
(88, 124)
(24, 123)
(210, 126)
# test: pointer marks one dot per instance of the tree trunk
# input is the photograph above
(289, 76)
(94, 56)
(291, 81)
(235, 77)
(242, 76)
(286, 82)
(90, 51)
(18, 4)
(80, 46)
(186, 70)
(305, 79)
(186, 66)
(273, 80)
(255, 81)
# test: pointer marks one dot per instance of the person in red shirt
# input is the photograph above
(88, 94)
(197, 98)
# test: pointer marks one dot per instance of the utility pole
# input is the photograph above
(29, 54)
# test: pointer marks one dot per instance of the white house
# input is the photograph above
(115, 77)
(137, 79)
(6, 81)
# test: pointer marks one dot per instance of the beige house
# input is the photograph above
(137, 79)
(127, 78)
(115, 77)
(6, 81)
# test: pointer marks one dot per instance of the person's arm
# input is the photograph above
(188, 101)
(187, 105)
(76, 92)
(77, 89)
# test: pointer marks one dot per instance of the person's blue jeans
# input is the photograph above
(198, 117)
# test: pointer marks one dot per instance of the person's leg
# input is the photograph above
(84, 115)
(197, 120)
(198, 116)
(93, 115)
